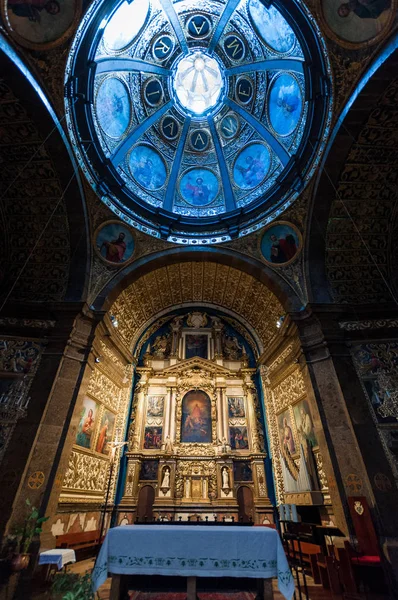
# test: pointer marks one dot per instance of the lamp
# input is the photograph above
(279, 321)
(114, 320)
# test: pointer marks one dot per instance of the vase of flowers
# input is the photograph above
(23, 536)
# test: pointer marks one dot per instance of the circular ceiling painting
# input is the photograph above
(197, 123)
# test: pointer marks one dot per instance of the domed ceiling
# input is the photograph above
(193, 121)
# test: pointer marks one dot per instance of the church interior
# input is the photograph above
(199, 284)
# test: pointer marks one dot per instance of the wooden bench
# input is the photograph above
(309, 554)
(81, 542)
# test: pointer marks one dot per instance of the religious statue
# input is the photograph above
(232, 348)
(225, 478)
(168, 446)
(223, 446)
(197, 320)
(166, 479)
(176, 323)
(187, 488)
(216, 322)
(160, 346)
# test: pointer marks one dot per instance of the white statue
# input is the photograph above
(168, 446)
(187, 488)
(166, 478)
(225, 477)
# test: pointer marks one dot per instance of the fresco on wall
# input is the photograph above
(251, 166)
(41, 22)
(242, 471)
(280, 244)
(87, 423)
(153, 438)
(285, 104)
(149, 470)
(112, 106)
(286, 432)
(357, 21)
(19, 356)
(304, 424)
(196, 345)
(236, 407)
(125, 24)
(106, 432)
(271, 26)
(196, 418)
(114, 243)
(148, 167)
(199, 187)
(238, 438)
(155, 406)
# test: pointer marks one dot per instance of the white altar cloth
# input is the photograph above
(189, 551)
(58, 556)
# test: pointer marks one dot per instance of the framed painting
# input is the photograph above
(153, 438)
(87, 423)
(196, 345)
(356, 23)
(199, 187)
(286, 436)
(114, 243)
(280, 244)
(106, 430)
(155, 406)
(149, 470)
(242, 471)
(41, 24)
(304, 424)
(196, 418)
(236, 407)
(238, 438)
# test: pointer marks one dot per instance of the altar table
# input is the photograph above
(194, 551)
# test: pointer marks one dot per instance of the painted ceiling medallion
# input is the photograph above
(201, 121)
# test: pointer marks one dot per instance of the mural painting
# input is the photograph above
(357, 21)
(238, 438)
(285, 104)
(280, 244)
(251, 166)
(149, 470)
(199, 187)
(41, 23)
(155, 406)
(242, 471)
(196, 418)
(153, 438)
(236, 407)
(112, 107)
(304, 424)
(286, 432)
(196, 345)
(87, 423)
(125, 24)
(114, 243)
(271, 26)
(105, 432)
(147, 167)
(17, 356)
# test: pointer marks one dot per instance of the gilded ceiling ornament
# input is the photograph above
(197, 319)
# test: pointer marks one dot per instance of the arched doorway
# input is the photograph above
(146, 498)
(245, 503)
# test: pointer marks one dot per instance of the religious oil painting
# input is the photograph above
(242, 471)
(125, 24)
(285, 104)
(280, 243)
(112, 107)
(105, 434)
(304, 424)
(236, 406)
(114, 243)
(155, 406)
(251, 166)
(271, 27)
(87, 423)
(196, 418)
(196, 345)
(358, 21)
(238, 438)
(153, 438)
(199, 187)
(286, 432)
(41, 24)
(148, 167)
(149, 470)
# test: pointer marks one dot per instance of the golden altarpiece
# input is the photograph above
(196, 441)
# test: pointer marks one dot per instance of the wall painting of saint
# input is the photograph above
(242, 471)
(114, 243)
(238, 438)
(196, 418)
(155, 406)
(149, 470)
(236, 407)
(87, 423)
(106, 432)
(304, 424)
(196, 345)
(286, 432)
(153, 438)
(281, 243)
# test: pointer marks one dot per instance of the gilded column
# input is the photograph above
(172, 414)
(220, 416)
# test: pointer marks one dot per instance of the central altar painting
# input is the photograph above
(196, 418)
